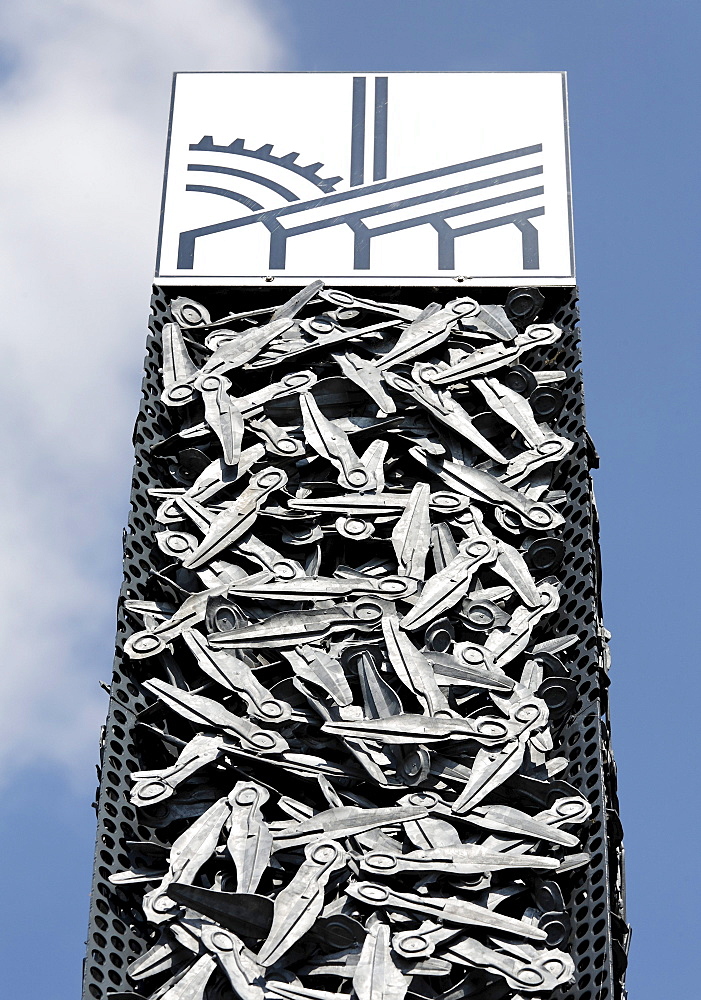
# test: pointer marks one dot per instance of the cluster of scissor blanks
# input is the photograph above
(356, 674)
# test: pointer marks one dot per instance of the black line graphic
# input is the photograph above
(212, 168)
(357, 165)
(379, 165)
(225, 193)
(279, 234)
(265, 154)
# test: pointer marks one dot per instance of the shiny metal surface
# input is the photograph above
(350, 658)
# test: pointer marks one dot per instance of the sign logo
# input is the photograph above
(287, 217)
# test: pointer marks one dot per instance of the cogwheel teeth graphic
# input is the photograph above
(276, 180)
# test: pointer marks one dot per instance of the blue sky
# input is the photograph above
(84, 93)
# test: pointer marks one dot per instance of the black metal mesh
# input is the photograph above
(117, 933)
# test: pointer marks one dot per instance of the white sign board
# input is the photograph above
(367, 178)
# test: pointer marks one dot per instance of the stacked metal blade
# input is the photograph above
(352, 746)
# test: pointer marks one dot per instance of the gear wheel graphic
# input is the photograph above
(288, 161)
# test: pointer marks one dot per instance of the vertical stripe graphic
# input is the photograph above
(379, 165)
(357, 165)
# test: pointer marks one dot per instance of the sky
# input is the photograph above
(84, 97)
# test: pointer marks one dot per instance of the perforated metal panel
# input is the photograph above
(117, 933)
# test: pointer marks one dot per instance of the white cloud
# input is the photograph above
(83, 116)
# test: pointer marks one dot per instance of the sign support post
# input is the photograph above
(358, 737)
